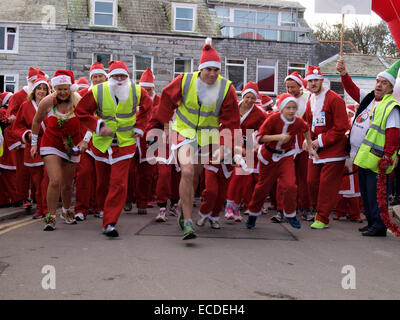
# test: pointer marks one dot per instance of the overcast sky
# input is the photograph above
(313, 18)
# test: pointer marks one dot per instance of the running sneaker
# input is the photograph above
(307, 215)
(110, 231)
(319, 225)
(174, 210)
(236, 215)
(251, 222)
(50, 222)
(128, 206)
(278, 218)
(229, 213)
(99, 214)
(215, 224)
(27, 204)
(79, 216)
(68, 216)
(188, 231)
(202, 221)
(162, 217)
(294, 222)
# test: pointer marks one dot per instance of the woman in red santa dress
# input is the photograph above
(22, 128)
(60, 144)
(245, 177)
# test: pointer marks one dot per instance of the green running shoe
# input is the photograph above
(319, 225)
(188, 231)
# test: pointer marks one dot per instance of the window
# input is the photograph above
(103, 58)
(183, 65)
(267, 76)
(184, 16)
(236, 71)
(256, 24)
(288, 19)
(140, 64)
(338, 88)
(104, 13)
(297, 67)
(8, 39)
(8, 83)
(223, 15)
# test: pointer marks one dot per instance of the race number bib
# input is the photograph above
(319, 120)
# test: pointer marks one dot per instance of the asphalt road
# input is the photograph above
(150, 261)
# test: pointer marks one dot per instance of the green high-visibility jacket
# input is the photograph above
(199, 121)
(121, 118)
(372, 147)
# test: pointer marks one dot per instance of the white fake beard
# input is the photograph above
(121, 89)
(207, 94)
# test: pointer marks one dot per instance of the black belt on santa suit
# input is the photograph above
(275, 151)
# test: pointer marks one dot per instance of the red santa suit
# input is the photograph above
(112, 166)
(22, 127)
(15, 143)
(326, 115)
(244, 179)
(276, 161)
(141, 173)
(8, 192)
(217, 177)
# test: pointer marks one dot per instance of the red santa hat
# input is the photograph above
(266, 101)
(283, 99)
(250, 87)
(39, 80)
(82, 83)
(147, 79)
(295, 76)
(313, 73)
(97, 68)
(351, 108)
(117, 67)
(209, 57)
(33, 73)
(4, 97)
(64, 77)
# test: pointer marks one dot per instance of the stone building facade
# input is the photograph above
(252, 38)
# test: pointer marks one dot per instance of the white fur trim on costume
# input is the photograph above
(328, 160)
(13, 146)
(268, 103)
(140, 131)
(215, 64)
(118, 71)
(44, 151)
(97, 71)
(34, 164)
(286, 101)
(320, 143)
(208, 41)
(36, 84)
(290, 77)
(59, 80)
(23, 135)
(146, 84)
(99, 122)
(110, 160)
(249, 90)
(289, 215)
(387, 76)
(313, 77)
(254, 214)
(8, 96)
(3, 166)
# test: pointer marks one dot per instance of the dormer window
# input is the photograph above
(104, 13)
(184, 16)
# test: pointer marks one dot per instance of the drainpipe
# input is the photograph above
(71, 57)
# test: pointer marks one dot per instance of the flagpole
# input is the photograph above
(341, 37)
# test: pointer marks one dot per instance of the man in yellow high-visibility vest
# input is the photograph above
(205, 103)
(116, 111)
(374, 137)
